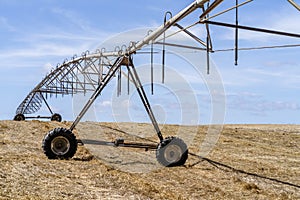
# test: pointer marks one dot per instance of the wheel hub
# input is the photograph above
(172, 153)
(60, 145)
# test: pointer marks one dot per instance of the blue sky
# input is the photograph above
(263, 88)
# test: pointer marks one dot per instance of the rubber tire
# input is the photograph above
(19, 117)
(59, 132)
(163, 146)
(56, 117)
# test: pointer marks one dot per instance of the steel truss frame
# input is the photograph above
(92, 67)
(80, 75)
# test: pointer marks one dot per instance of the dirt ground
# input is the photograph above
(247, 162)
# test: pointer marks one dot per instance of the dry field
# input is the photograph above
(248, 162)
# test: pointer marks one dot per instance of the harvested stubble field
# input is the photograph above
(248, 162)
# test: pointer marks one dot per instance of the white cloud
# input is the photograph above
(154, 9)
(287, 22)
(47, 67)
(40, 50)
(280, 18)
(286, 77)
(106, 103)
(31, 49)
(5, 25)
(67, 36)
(256, 104)
(73, 18)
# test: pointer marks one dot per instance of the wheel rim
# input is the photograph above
(60, 145)
(172, 153)
(19, 117)
(56, 117)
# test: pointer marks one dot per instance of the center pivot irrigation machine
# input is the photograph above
(99, 68)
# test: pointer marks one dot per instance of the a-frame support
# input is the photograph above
(121, 61)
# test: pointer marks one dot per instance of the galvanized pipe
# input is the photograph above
(294, 4)
(155, 34)
(210, 8)
(159, 31)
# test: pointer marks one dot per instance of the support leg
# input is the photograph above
(135, 78)
(132, 72)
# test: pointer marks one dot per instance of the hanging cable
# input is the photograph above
(151, 63)
(207, 55)
(260, 48)
(119, 82)
(152, 86)
(164, 48)
(128, 79)
(236, 34)
(207, 47)
(208, 43)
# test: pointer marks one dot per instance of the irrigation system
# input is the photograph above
(91, 72)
